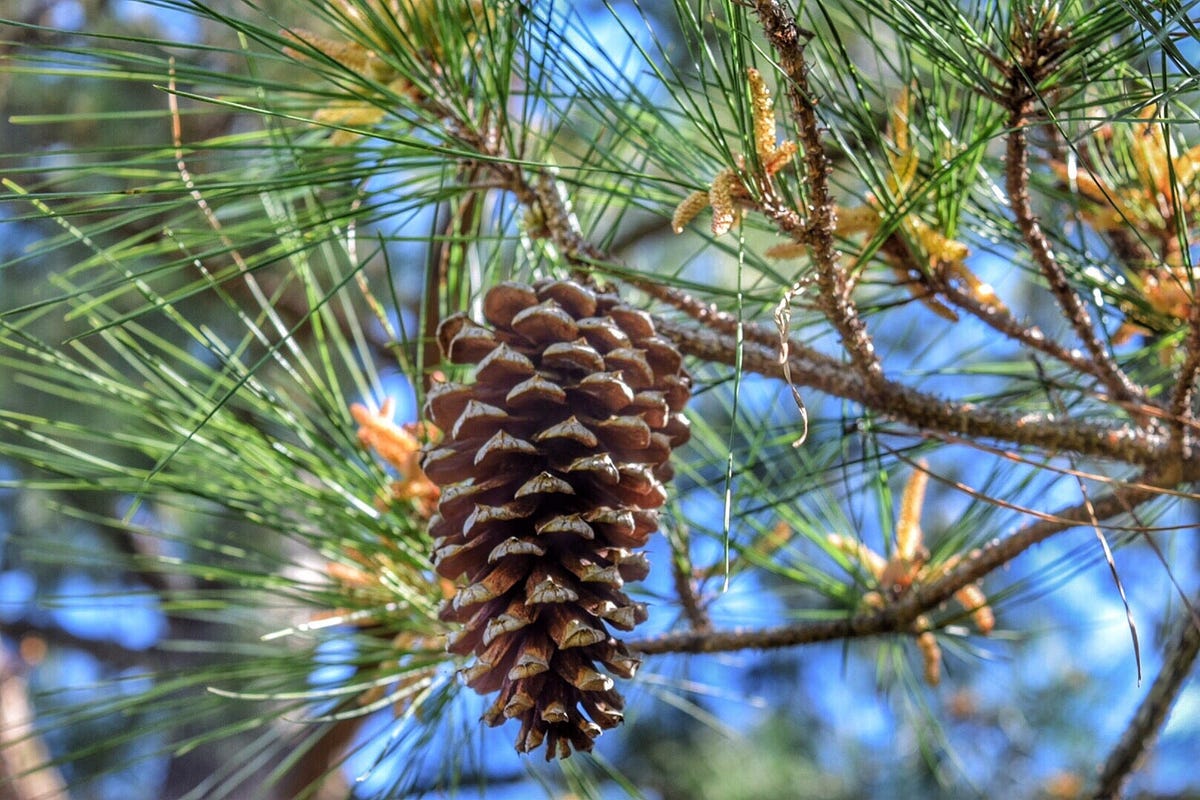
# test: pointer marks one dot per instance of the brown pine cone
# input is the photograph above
(551, 470)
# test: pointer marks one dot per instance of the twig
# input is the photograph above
(686, 590)
(1185, 386)
(817, 231)
(717, 341)
(460, 221)
(214, 222)
(1002, 321)
(1143, 729)
(1017, 185)
(901, 615)
(1037, 53)
(1047, 432)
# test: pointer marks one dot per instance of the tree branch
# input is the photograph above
(716, 341)
(1037, 52)
(817, 231)
(1184, 393)
(1143, 729)
(1047, 432)
(1002, 321)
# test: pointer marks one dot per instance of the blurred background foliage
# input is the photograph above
(179, 468)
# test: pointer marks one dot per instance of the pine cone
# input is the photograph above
(551, 471)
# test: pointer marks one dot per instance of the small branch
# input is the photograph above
(689, 598)
(1047, 432)
(902, 615)
(1017, 184)
(817, 231)
(1185, 387)
(1143, 729)
(717, 341)
(1002, 321)
(460, 222)
(1020, 98)
(706, 314)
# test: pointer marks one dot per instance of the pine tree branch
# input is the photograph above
(1143, 729)
(1002, 321)
(1017, 186)
(927, 412)
(1036, 54)
(686, 590)
(717, 342)
(1184, 393)
(901, 615)
(817, 231)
